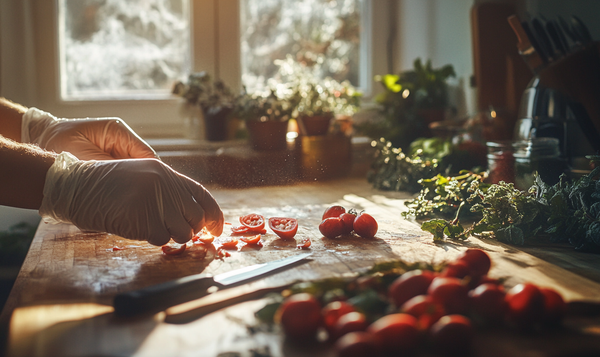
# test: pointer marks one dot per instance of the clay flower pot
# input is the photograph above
(315, 125)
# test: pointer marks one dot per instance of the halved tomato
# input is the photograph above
(173, 249)
(284, 227)
(305, 244)
(253, 221)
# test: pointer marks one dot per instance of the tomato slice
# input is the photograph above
(253, 221)
(228, 243)
(284, 227)
(204, 237)
(252, 240)
(305, 244)
(173, 249)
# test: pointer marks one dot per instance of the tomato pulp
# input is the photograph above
(254, 222)
(284, 227)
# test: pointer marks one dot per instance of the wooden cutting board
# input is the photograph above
(60, 304)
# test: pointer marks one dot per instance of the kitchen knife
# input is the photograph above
(159, 297)
(526, 48)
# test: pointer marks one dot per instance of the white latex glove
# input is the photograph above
(88, 139)
(141, 199)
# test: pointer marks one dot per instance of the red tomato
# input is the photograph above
(299, 316)
(285, 228)
(333, 311)
(350, 322)
(348, 221)
(228, 243)
(451, 293)
(409, 285)
(457, 269)
(333, 211)
(487, 302)
(396, 334)
(254, 222)
(554, 307)
(365, 225)
(452, 335)
(479, 262)
(424, 309)
(525, 305)
(252, 240)
(331, 227)
(306, 243)
(356, 344)
(173, 249)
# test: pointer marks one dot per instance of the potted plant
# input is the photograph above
(410, 101)
(317, 100)
(266, 116)
(213, 98)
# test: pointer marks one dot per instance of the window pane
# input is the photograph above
(307, 29)
(122, 49)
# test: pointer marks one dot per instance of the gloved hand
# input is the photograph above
(141, 199)
(88, 139)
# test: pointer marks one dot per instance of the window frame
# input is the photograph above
(214, 34)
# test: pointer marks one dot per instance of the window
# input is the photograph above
(69, 90)
(313, 31)
(122, 50)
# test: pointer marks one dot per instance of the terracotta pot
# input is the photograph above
(216, 124)
(315, 125)
(267, 135)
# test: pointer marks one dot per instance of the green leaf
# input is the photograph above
(390, 81)
(511, 235)
(435, 227)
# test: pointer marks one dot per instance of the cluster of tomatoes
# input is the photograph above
(336, 222)
(427, 310)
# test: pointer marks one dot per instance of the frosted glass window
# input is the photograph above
(309, 30)
(122, 49)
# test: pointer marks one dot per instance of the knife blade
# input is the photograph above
(159, 297)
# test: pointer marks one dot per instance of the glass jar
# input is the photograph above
(541, 155)
(501, 162)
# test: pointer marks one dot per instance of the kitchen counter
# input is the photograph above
(61, 302)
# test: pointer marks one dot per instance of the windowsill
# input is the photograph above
(235, 163)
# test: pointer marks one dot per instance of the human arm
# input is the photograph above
(141, 199)
(10, 119)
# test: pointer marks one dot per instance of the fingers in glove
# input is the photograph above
(123, 143)
(213, 218)
(178, 227)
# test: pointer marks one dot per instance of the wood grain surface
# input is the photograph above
(60, 304)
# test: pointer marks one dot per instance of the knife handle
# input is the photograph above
(156, 298)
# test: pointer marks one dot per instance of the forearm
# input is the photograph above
(10, 119)
(23, 169)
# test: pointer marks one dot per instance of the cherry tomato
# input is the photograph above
(424, 309)
(285, 228)
(333, 211)
(525, 305)
(487, 302)
(252, 240)
(457, 269)
(451, 293)
(299, 316)
(356, 344)
(331, 227)
(228, 243)
(350, 322)
(409, 285)
(554, 307)
(479, 262)
(333, 311)
(396, 334)
(306, 243)
(173, 249)
(452, 335)
(365, 225)
(254, 222)
(244, 230)
(348, 221)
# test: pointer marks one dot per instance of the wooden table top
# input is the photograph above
(60, 304)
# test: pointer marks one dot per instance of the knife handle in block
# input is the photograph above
(526, 49)
(156, 298)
